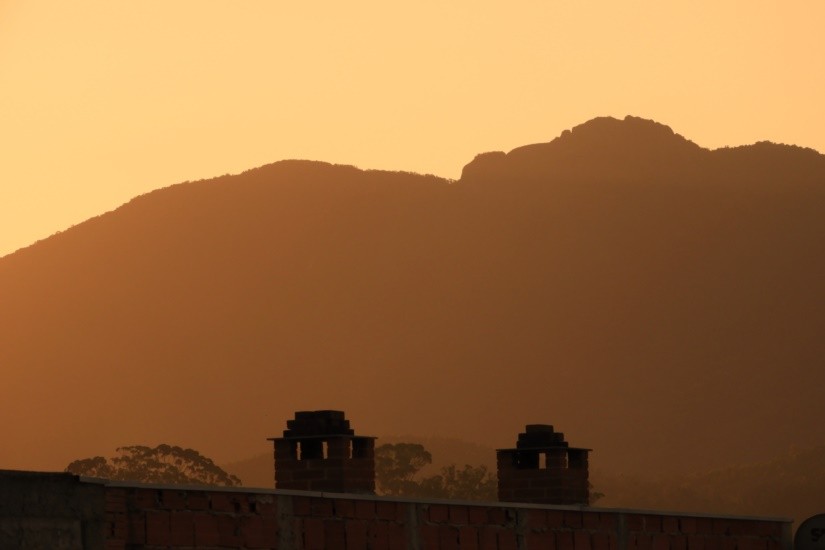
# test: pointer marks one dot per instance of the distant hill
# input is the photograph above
(654, 300)
(790, 485)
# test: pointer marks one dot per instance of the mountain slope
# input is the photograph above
(789, 485)
(658, 302)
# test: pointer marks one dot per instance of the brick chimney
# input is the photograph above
(543, 469)
(320, 452)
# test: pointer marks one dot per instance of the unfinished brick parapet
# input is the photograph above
(120, 516)
(50, 510)
(543, 468)
(320, 452)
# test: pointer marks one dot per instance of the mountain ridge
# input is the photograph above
(586, 294)
(650, 148)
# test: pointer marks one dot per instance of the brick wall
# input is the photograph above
(54, 511)
(148, 517)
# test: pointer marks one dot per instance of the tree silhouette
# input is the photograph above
(467, 483)
(396, 466)
(165, 464)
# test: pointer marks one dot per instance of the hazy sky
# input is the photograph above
(102, 100)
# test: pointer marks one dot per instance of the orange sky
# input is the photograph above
(101, 101)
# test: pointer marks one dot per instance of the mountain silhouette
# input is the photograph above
(657, 301)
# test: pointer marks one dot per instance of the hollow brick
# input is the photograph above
(581, 540)
(181, 529)
(206, 529)
(157, 528)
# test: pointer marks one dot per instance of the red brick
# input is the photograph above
(608, 522)
(364, 509)
(269, 525)
(136, 528)
(721, 527)
(695, 542)
(661, 542)
(301, 506)
(298, 528)
(555, 518)
(438, 513)
(115, 499)
(313, 534)
(477, 515)
(741, 527)
(768, 529)
(157, 528)
(573, 519)
(356, 532)
(448, 537)
(144, 499)
(536, 518)
(704, 526)
(386, 510)
(541, 539)
(602, 541)
(487, 538)
(307, 475)
(265, 505)
(459, 515)
(590, 520)
(220, 502)
(581, 540)
(398, 536)
(256, 533)
(497, 516)
(688, 525)
(321, 507)
(172, 499)
(334, 533)
(634, 522)
(378, 535)
(653, 524)
(182, 529)
(241, 503)
(596, 521)
(507, 540)
(429, 536)
(206, 529)
(670, 524)
(344, 508)
(751, 543)
(713, 543)
(197, 501)
(468, 538)
(229, 529)
(117, 525)
(678, 542)
(564, 540)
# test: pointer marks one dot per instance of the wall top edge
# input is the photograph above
(355, 496)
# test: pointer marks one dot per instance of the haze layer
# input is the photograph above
(658, 302)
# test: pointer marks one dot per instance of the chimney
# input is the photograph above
(543, 469)
(320, 452)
